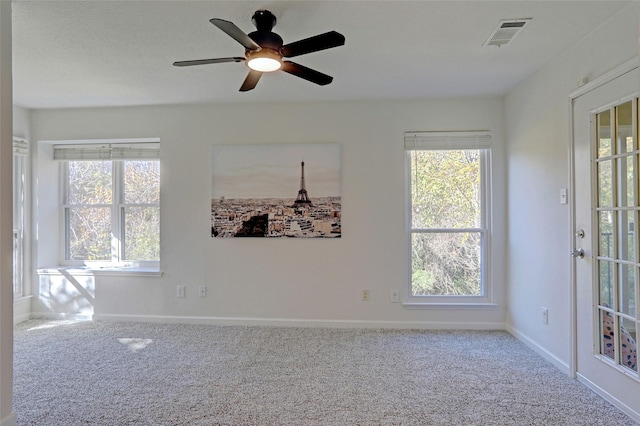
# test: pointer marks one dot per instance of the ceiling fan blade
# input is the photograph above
(207, 61)
(250, 82)
(236, 33)
(306, 73)
(313, 44)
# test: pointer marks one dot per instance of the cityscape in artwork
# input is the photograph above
(274, 217)
(296, 216)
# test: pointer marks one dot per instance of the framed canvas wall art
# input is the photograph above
(276, 191)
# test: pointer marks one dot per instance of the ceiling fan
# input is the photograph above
(265, 50)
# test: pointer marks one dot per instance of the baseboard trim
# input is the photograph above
(21, 309)
(635, 415)
(553, 359)
(12, 420)
(21, 318)
(288, 322)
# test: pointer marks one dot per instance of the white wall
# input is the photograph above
(21, 122)
(293, 281)
(537, 122)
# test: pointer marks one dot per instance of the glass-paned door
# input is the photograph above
(616, 157)
(606, 179)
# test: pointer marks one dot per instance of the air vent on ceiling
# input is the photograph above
(506, 31)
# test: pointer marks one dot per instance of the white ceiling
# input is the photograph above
(114, 53)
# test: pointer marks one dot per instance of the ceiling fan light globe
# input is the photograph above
(264, 64)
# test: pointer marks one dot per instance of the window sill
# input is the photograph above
(443, 305)
(104, 271)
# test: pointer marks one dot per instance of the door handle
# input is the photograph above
(578, 253)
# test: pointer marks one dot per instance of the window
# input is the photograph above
(20, 152)
(111, 204)
(448, 215)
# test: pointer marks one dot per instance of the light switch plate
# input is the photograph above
(563, 196)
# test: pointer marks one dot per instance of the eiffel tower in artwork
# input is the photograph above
(303, 197)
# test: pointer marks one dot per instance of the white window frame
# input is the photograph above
(116, 154)
(453, 140)
(20, 156)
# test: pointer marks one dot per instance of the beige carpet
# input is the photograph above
(88, 373)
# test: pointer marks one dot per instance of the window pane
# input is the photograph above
(89, 233)
(626, 226)
(607, 345)
(606, 283)
(605, 223)
(142, 182)
(628, 344)
(445, 264)
(624, 127)
(627, 290)
(604, 134)
(445, 189)
(605, 188)
(17, 264)
(141, 233)
(89, 182)
(626, 189)
(19, 188)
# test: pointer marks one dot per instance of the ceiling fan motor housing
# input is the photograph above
(267, 40)
(263, 20)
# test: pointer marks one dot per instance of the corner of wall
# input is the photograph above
(540, 350)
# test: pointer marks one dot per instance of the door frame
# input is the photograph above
(620, 70)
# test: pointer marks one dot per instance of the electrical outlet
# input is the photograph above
(180, 291)
(365, 295)
(395, 296)
(545, 315)
(202, 290)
